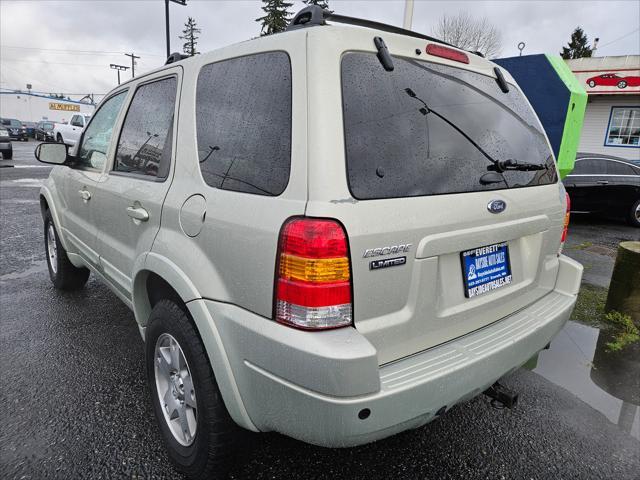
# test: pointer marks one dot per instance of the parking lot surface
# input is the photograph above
(76, 404)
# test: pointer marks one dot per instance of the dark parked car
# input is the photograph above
(5, 144)
(44, 131)
(606, 185)
(31, 128)
(16, 129)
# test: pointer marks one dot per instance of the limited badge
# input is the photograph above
(390, 262)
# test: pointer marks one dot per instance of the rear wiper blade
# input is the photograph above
(510, 164)
(497, 165)
(427, 110)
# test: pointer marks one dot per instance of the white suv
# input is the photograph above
(335, 233)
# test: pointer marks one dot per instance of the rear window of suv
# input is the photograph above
(397, 147)
(243, 114)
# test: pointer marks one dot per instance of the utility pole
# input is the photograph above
(133, 63)
(408, 14)
(166, 20)
(119, 68)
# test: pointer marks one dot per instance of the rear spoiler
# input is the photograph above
(314, 16)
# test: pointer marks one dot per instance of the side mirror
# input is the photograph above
(51, 152)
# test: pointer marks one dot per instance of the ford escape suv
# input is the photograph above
(336, 233)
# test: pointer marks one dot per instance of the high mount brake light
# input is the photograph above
(313, 277)
(565, 228)
(446, 52)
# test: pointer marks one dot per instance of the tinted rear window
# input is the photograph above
(397, 147)
(619, 168)
(588, 166)
(243, 114)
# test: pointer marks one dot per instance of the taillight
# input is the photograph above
(565, 227)
(446, 52)
(313, 275)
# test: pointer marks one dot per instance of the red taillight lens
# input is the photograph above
(565, 227)
(313, 283)
(446, 52)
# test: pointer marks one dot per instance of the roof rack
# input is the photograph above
(314, 16)
(175, 57)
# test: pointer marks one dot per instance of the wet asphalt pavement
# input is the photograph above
(75, 402)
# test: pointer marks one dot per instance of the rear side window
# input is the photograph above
(619, 168)
(144, 147)
(397, 146)
(589, 167)
(243, 114)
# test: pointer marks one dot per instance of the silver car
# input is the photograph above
(335, 233)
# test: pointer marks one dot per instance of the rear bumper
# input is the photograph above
(314, 386)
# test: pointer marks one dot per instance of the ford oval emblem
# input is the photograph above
(497, 206)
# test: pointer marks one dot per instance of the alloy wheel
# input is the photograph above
(52, 248)
(175, 389)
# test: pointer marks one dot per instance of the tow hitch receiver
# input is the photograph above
(501, 396)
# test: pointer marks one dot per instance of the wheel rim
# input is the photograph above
(638, 213)
(175, 389)
(52, 248)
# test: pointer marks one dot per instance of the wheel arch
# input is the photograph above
(48, 204)
(171, 282)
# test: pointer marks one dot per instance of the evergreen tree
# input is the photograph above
(578, 46)
(190, 34)
(321, 3)
(276, 16)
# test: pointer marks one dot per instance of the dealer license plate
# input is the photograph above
(485, 269)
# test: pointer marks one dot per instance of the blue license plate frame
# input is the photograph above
(485, 269)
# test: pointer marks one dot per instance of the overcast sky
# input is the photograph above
(68, 46)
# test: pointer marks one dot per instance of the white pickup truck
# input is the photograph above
(69, 133)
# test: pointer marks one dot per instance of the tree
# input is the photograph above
(190, 34)
(578, 46)
(470, 33)
(320, 3)
(276, 16)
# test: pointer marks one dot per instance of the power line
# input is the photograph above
(619, 38)
(92, 52)
(101, 65)
(54, 63)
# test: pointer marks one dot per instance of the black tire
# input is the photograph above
(632, 216)
(64, 275)
(8, 155)
(622, 84)
(210, 455)
(59, 138)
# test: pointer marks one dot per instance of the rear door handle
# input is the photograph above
(603, 182)
(85, 194)
(138, 213)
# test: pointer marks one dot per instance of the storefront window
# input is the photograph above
(624, 127)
